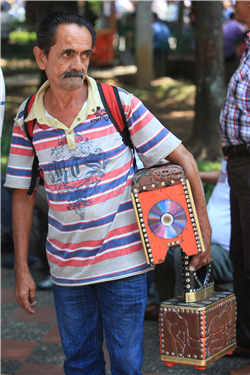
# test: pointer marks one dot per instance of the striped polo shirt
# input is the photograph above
(235, 113)
(92, 235)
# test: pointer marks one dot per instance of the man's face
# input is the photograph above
(68, 60)
(242, 12)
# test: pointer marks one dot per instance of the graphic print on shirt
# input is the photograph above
(100, 114)
(76, 173)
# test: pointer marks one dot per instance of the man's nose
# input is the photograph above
(77, 63)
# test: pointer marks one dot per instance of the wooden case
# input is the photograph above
(197, 333)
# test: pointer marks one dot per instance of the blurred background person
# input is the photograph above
(234, 33)
(6, 22)
(161, 34)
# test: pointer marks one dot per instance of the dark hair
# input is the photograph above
(46, 33)
(232, 16)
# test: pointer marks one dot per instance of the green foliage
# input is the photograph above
(18, 50)
(22, 36)
(5, 146)
(206, 166)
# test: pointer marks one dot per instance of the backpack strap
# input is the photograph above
(113, 106)
(29, 127)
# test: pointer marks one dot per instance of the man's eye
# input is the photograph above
(86, 55)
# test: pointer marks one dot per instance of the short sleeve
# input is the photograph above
(21, 156)
(152, 141)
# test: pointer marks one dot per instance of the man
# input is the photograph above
(233, 33)
(94, 250)
(235, 133)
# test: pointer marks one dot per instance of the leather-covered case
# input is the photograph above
(197, 333)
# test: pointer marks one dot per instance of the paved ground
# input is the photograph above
(31, 343)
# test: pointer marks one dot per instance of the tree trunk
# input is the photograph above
(179, 25)
(210, 85)
(144, 55)
(37, 10)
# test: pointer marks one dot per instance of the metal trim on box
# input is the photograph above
(199, 295)
(199, 362)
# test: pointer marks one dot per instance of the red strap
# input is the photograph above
(30, 124)
(113, 105)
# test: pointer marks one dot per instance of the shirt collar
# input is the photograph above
(38, 110)
(248, 39)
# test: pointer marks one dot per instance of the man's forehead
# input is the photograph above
(72, 32)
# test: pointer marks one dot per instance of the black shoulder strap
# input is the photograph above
(28, 127)
(126, 133)
(113, 106)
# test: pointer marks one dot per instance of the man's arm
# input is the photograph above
(22, 217)
(184, 158)
(210, 177)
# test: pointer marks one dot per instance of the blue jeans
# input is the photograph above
(83, 312)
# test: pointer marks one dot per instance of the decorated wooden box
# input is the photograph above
(197, 333)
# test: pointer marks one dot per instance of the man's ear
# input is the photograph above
(41, 59)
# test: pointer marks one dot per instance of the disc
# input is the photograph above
(167, 219)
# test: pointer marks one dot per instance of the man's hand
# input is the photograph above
(25, 291)
(200, 260)
(22, 216)
(203, 258)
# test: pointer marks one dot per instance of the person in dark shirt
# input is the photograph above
(234, 33)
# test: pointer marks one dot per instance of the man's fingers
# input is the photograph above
(194, 262)
(32, 293)
(26, 304)
(199, 260)
(33, 303)
(25, 295)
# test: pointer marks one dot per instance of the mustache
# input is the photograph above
(73, 74)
